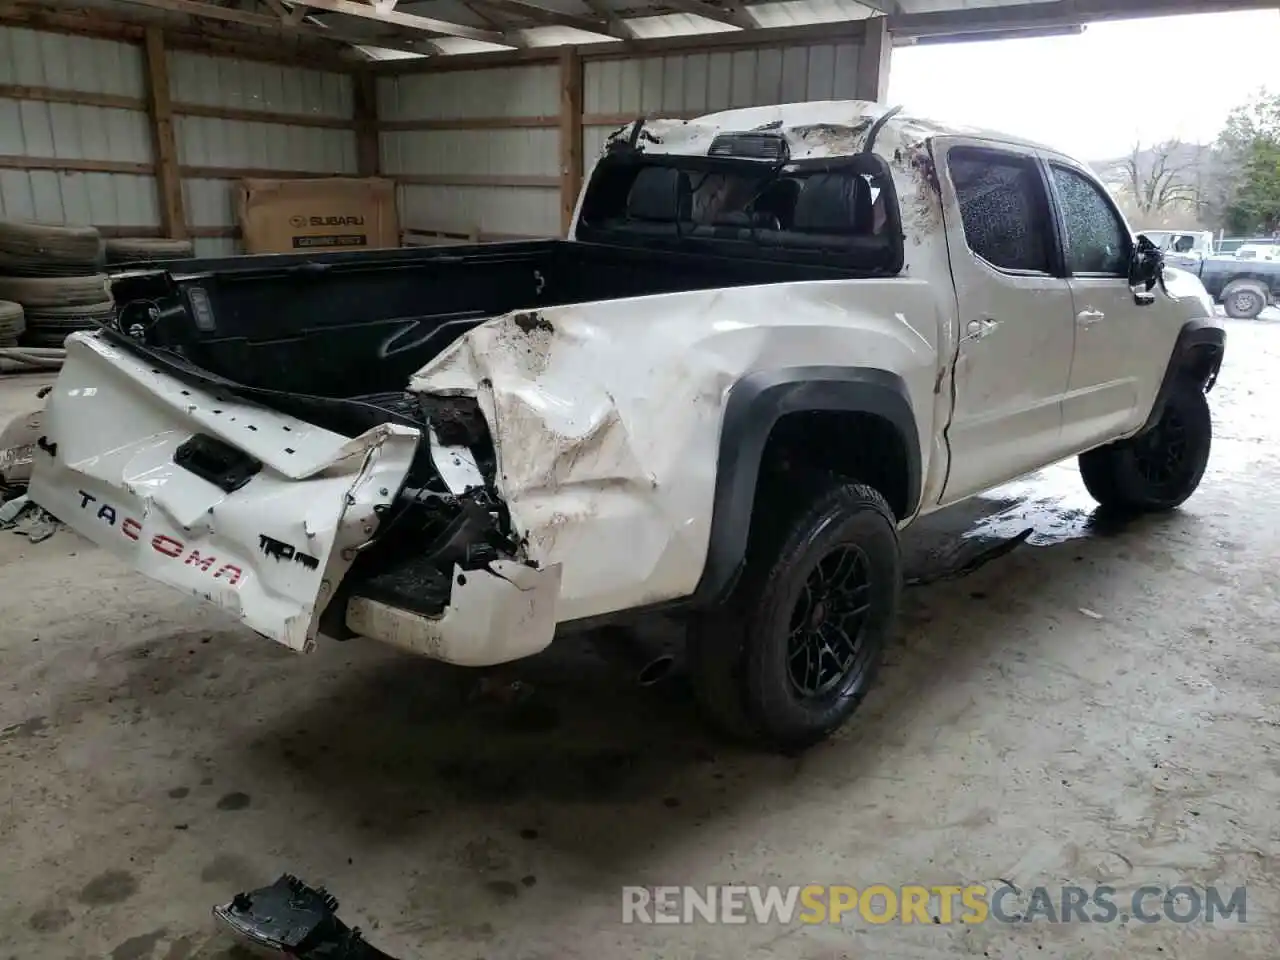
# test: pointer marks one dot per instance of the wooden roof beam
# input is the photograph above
(407, 21)
(288, 27)
(540, 14)
(733, 14)
(610, 17)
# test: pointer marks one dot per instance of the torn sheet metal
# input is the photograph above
(456, 465)
(814, 129)
(828, 129)
(270, 552)
(605, 417)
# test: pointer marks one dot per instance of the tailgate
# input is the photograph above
(260, 513)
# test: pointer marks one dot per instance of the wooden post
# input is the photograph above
(873, 61)
(173, 221)
(366, 114)
(570, 134)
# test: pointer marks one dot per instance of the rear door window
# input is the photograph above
(1004, 208)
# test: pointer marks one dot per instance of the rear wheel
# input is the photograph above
(793, 652)
(1161, 468)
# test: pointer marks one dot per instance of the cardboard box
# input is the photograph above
(326, 213)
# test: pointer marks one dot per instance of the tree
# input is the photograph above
(1250, 142)
(1161, 178)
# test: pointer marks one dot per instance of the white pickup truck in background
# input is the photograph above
(775, 337)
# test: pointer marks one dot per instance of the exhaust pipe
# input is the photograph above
(621, 648)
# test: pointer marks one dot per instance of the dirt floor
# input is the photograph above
(1100, 705)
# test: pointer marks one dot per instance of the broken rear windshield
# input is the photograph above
(843, 213)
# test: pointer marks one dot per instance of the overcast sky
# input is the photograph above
(1092, 95)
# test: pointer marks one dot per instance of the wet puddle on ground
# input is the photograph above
(1043, 509)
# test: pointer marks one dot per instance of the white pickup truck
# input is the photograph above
(775, 338)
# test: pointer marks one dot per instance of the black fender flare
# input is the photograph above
(753, 405)
(1197, 353)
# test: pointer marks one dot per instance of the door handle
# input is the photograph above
(977, 329)
(1087, 318)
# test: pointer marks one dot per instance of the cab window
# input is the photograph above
(1097, 241)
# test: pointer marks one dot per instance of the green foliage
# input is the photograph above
(1250, 142)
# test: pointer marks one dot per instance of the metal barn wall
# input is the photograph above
(287, 121)
(476, 152)
(45, 137)
(690, 84)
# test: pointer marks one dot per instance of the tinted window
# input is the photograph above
(843, 215)
(1097, 240)
(1003, 207)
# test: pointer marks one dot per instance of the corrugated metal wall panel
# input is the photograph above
(593, 140)
(522, 211)
(72, 131)
(210, 203)
(252, 144)
(694, 83)
(532, 91)
(101, 199)
(525, 152)
(35, 59)
(504, 92)
(215, 142)
(216, 246)
(705, 82)
(69, 131)
(250, 85)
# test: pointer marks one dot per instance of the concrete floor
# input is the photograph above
(157, 757)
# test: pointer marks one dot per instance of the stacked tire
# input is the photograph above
(12, 323)
(56, 275)
(123, 251)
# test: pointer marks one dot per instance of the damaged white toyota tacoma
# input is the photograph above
(775, 337)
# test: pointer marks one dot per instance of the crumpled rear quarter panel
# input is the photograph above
(606, 416)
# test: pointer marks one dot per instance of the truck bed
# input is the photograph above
(357, 325)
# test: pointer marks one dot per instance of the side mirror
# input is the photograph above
(1146, 269)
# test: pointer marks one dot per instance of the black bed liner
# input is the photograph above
(358, 324)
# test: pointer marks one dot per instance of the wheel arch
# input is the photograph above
(1197, 356)
(755, 405)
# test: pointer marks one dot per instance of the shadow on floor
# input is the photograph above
(406, 747)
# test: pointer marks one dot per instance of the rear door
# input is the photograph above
(1015, 314)
(1114, 363)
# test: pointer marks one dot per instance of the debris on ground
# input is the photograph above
(12, 508)
(23, 516)
(291, 918)
(1091, 614)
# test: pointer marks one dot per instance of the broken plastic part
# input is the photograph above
(291, 918)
